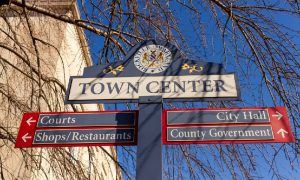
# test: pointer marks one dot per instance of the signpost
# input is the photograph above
(57, 129)
(154, 72)
(227, 126)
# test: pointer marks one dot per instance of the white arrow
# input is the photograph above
(26, 137)
(29, 121)
(278, 115)
(283, 132)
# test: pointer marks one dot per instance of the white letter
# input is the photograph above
(220, 118)
(172, 133)
(43, 119)
(210, 132)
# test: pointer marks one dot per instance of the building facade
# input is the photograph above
(38, 54)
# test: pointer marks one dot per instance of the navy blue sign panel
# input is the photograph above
(211, 116)
(212, 133)
(87, 119)
(84, 136)
(153, 68)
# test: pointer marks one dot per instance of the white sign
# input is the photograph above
(191, 86)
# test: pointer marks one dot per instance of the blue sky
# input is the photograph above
(203, 50)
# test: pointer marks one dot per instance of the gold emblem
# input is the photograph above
(112, 70)
(192, 68)
(152, 59)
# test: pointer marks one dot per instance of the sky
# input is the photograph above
(215, 55)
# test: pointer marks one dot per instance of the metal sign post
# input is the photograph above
(149, 147)
(154, 71)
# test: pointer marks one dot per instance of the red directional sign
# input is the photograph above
(60, 129)
(226, 126)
